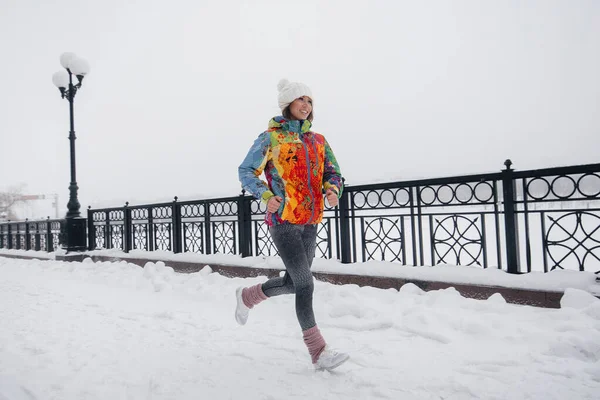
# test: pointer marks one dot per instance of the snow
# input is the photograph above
(557, 280)
(9, 390)
(113, 330)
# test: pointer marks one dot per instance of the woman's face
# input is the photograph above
(301, 107)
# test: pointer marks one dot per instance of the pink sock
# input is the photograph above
(315, 342)
(253, 295)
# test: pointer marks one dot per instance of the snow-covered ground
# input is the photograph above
(117, 331)
(557, 280)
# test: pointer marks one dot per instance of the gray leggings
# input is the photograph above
(296, 245)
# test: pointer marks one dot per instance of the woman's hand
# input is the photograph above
(273, 204)
(332, 198)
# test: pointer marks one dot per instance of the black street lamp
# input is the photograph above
(75, 226)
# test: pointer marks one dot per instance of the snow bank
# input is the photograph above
(113, 330)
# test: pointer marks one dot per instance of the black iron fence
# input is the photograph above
(519, 221)
(31, 235)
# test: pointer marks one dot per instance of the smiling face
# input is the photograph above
(301, 108)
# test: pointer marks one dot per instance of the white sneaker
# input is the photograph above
(330, 359)
(241, 310)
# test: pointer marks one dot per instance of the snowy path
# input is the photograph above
(117, 331)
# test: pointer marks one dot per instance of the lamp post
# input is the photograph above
(75, 226)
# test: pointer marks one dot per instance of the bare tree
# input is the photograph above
(9, 199)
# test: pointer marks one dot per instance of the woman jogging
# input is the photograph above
(299, 166)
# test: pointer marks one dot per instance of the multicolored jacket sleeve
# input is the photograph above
(332, 176)
(254, 164)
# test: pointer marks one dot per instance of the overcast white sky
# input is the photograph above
(403, 89)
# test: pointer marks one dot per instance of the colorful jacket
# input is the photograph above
(298, 165)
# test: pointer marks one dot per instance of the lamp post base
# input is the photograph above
(75, 235)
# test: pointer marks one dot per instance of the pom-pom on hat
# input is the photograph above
(290, 91)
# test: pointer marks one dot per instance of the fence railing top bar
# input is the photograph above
(106, 209)
(169, 204)
(132, 207)
(210, 201)
(577, 169)
(428, 182)
(32, 221)
(154, 205)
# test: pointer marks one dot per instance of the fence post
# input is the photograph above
(150, 229)
(345, 242)
(27, 235)
(49, 237)
(207, 229)
(107, 232)
(511, 224)
(127, 236)
(37, 236)
(245, 224)
(9, 237)
(176, 217)
(18, 237)
(91, 229)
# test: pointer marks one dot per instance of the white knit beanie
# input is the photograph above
(290, 91)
